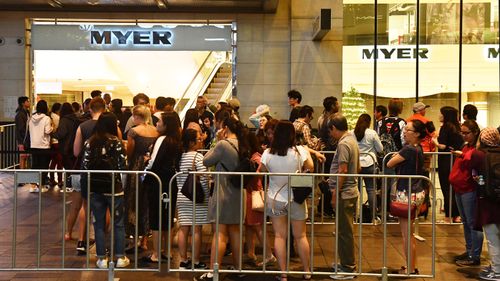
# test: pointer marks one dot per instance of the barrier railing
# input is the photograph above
(216, 268)
(8, 144)
(35, 177)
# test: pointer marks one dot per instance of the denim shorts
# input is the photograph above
(276, 208)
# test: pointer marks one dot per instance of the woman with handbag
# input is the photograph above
(284, 157)
(225, 156)
(408, 161)
(191, 160)
(465, 188)
(255, 207)
(164, 162)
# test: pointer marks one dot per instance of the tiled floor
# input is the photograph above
(449, 242)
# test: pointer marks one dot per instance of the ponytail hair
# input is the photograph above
(241, 132)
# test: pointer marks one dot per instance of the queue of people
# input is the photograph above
(158, 143)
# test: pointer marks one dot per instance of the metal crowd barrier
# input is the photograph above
(35, 176)
(8, 143)
(216, 270)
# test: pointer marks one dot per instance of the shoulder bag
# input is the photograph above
(189, 185)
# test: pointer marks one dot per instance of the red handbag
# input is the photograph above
(400, 209)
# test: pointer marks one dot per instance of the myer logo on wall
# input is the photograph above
(391, 53)
(117, 37)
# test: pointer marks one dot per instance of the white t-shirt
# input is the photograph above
(282, 164)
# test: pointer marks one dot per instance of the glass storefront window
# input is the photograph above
(438, 55)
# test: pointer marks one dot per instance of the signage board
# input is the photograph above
(131, 37)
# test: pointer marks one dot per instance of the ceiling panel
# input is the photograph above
(219, 6)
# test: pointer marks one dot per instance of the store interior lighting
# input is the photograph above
(55, 3)
(162, 4)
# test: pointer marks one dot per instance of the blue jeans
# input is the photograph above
(466, 204)
(370, 187)
(99, 203)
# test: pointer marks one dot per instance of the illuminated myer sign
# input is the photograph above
(492, 53)
(387, 53)
(110, 37)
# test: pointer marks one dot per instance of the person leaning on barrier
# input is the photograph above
(284, 156)
(409, 161)
(345, 161)
(105, 144)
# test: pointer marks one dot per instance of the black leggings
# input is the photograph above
(41, 160)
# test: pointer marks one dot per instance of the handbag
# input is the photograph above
(187, 187)
(400, 209)
(258, 200)
(301, 185)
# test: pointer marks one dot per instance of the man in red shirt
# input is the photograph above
(419, 114)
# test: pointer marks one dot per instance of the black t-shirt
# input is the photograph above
(294, 114)
(412, 165)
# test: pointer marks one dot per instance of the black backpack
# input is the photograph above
(101, 159)
(245, 164)
(390, 135)
(492, 177)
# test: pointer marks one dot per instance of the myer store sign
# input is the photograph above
(131, 37)
(394, 53)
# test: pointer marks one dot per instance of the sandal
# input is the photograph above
(306, 277)
(270, 260)
(403, 270)
(280, 278)
(149, 259)
(67, 236)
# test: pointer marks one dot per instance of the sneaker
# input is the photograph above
(204, 277)
(102, 263)
(122, 262)
(80, 248)
(341, 269)
(468, 262)
(45, 188)
(68, 190)
(185, 264)
(462, 256)
(200, 265)
(272, 259)
(34, 189)
(57, 188)
(489, 275)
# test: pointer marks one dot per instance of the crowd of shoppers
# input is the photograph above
(155, 141)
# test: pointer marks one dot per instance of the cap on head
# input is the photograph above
(419, 106)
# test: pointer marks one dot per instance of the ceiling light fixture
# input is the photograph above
(162, 4)
(55, 3)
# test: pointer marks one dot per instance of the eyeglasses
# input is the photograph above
(465, 133)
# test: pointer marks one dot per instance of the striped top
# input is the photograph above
(184, 205)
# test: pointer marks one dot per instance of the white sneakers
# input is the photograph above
(120, 263)
(34, 188)
(102, 263)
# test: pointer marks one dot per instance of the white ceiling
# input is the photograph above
(125, 72)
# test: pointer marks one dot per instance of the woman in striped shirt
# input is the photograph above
(191, 160)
